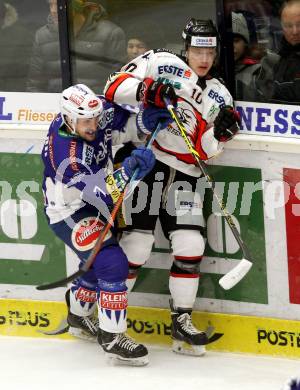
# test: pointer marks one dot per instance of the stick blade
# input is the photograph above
(234, 276)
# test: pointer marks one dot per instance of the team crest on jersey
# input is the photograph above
(86, 232)
(187, 117)
(191, 118)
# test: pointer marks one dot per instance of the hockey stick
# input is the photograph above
(232, 277)
(133, 182)
(98, 244)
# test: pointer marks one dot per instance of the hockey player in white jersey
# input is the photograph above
(205, 106)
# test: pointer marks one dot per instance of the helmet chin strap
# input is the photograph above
(185, 52)
(71, 126)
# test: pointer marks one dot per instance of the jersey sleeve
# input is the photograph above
(123, 87)
(69, 165)
(209, 145)
(75, 174)
(123, 126)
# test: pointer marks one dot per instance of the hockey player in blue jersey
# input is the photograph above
(77, 157)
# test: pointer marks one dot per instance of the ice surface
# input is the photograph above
(39, 364)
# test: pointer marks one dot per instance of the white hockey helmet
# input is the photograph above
(79, 101)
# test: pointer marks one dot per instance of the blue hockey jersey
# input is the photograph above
(75, 170)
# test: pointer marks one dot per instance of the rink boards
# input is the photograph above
(233, 333)
(257, 176)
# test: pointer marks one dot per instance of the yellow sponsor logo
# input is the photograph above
(235, 333)
(26, 115)
(112, 188)
(31, 318)
(232, 333)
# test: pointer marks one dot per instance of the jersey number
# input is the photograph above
(196, 97)
(130, 67)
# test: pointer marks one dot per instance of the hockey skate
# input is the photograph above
(120, 348)
(85, 328)
(187, 339)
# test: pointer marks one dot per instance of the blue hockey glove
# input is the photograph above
(141, 158)
(147, 119)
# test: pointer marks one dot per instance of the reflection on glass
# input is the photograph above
(268, 63)
(158, 23)
(100, 33)
(15, 48)
(98, 45)
(247, 57)
(45, 69)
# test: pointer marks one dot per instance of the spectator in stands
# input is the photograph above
(143, 38)
(246, 65)
(279, 79)
(259, 16)
(139, 40)
(136, 45)
(97, 47)
(287, 70)
(15, 47)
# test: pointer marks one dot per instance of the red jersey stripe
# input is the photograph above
(185, 157)
(110, 93)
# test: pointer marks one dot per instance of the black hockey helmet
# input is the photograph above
(200, 33)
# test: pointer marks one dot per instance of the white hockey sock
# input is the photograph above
(82, 301)
(183, 291)
(112, 311)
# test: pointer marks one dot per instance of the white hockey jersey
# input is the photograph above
(198, 105)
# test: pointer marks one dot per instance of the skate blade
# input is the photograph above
(81, 334)
(114, 360)
(186, 349)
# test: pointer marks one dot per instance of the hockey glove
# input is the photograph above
(153, 93)
(141, 158)
(148, 118)
(226, 124)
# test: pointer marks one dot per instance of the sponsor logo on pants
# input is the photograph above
(113, 301)
(85, 295)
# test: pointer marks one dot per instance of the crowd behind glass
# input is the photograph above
(104, 35)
